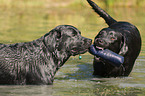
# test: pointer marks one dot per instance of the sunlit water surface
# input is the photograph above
(75, 77)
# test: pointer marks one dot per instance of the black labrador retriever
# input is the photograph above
(36, 62)
(122, 38)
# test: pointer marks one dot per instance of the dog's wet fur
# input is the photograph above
(37, 62)
(122, 38)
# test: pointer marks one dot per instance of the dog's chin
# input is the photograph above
(78, 51)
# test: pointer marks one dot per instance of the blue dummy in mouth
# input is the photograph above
(107, 55)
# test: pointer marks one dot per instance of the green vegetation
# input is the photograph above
(124, 3)
(55, 3)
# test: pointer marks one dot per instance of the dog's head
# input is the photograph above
(67, 39)
(110, 39)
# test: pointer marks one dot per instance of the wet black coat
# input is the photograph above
(36, 62)
(122, 38)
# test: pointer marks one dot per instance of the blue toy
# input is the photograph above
(107, 55)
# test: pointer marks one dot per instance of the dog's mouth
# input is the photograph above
(82, 48)
(100, 48)
(76, 51)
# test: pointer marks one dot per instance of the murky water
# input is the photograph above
(75, 77)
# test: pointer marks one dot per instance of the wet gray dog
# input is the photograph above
(122, 38)
(36, 62)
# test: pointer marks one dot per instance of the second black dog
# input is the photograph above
(122, 38)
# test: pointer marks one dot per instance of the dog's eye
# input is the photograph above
(74, 34)
(59, 35)
(101, 33)
(112, 38)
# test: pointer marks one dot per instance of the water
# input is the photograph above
(75, 77)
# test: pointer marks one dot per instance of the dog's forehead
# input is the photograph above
(72, 31)
(109, 31)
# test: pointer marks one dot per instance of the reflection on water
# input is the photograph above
(75, 77)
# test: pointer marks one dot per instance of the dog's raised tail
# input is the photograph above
(109, 20)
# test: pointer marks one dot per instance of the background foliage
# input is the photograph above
(50, 3)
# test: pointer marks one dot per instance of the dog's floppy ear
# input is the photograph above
(124, 47)
(57, 32)
(58, 36)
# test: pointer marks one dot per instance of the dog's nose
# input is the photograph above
(87, 40)
(90, 40)
(99, 41)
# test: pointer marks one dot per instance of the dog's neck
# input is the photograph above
(60, 57)
(54, 65)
